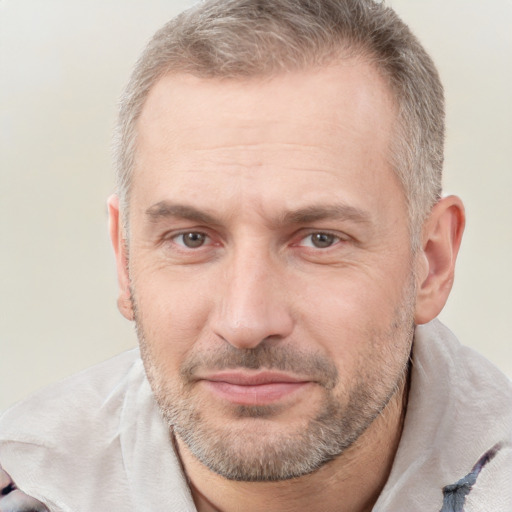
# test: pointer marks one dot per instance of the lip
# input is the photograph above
(262, 388)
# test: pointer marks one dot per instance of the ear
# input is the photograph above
(442, 234)
(118, 239)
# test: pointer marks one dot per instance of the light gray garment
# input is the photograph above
(96, 441)
(460, 406)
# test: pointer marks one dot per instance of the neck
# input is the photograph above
(351, 482)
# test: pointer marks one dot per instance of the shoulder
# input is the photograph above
(441, 362)
(72, 408)
(95, 430)
(457, 433)
(464, 396)
(62, 437)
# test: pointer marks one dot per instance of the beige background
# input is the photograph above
(62, 66)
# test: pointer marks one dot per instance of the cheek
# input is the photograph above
(172, 313)
(352, 315)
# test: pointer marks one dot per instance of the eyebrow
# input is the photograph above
(316, 213)
(313, 213)
(165, 209)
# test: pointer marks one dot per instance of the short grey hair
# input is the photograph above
(251, 38)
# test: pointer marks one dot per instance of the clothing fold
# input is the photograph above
(97, 440)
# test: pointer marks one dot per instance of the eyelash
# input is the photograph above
(335, 239)
(176, 236)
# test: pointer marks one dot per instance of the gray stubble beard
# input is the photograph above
(249, 454)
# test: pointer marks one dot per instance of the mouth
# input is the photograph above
(262, 388)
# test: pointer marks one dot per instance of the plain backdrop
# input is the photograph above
(62, 66)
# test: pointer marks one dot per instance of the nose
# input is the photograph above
(252, 303)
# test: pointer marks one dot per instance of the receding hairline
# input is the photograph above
(239, 39)
(360, 57)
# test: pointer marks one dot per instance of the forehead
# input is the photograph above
(186, 106)
(260, 134)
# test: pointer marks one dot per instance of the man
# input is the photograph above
(283, 249)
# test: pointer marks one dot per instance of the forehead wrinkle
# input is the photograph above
(167, 209)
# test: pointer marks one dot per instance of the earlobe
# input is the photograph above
(441, 240)
(118, 239)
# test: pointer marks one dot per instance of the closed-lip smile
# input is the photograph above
(247, 388)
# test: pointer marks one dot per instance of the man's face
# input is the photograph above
(270, 264)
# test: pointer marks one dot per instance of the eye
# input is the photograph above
(319, 240)
(191, 239)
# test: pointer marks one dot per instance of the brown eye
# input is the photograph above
(192, 240)
(319, 240)
(322, 240)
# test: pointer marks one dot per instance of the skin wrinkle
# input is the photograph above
(307, 215)
(278, 45)
(321, 433)
(247, 139)
(256, 283)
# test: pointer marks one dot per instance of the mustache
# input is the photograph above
(266, 355)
